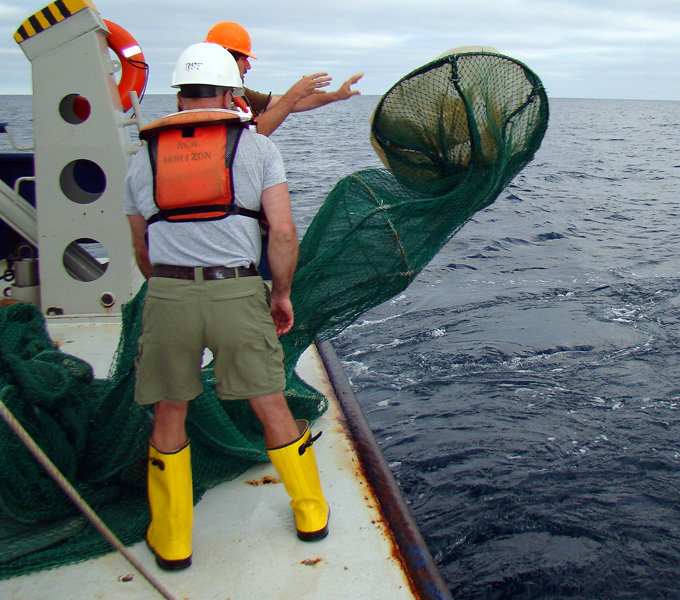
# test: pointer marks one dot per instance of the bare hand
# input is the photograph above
(345, 90)
(282, 312)
(310, 84)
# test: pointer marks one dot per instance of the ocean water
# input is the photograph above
(525, 388)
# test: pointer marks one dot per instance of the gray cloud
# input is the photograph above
(608, 49)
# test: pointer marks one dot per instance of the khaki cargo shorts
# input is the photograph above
(230, 317)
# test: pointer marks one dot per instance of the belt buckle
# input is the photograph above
(218, 273)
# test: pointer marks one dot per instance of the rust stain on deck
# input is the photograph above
(266, 480)
(311, 562)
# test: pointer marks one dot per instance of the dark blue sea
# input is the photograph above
(526, 388)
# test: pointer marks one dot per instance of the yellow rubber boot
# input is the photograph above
(296, 465)
(171, 499)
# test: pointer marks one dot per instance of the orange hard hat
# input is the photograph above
(231, 36)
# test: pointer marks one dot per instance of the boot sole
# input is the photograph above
(169, 565)
(173, 565)
(313, 536)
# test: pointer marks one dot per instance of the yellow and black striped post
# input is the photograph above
(50, 15)
(81, 157)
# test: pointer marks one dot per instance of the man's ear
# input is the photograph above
(180, 103)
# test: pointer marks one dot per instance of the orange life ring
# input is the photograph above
(135, 69)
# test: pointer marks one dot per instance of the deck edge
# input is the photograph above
(421, 569)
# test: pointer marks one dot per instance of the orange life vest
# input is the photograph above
(191, 154)
(242, 105)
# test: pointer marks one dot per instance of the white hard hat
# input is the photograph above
(207, 64)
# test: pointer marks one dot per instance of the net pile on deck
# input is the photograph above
(453, 134)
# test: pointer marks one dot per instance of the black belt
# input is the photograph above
(209, 273)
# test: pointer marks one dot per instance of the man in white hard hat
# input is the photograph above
(271, 109)
(199, 191)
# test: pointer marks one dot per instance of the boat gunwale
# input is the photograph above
(419, 565)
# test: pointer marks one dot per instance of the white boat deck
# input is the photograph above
(245, 547)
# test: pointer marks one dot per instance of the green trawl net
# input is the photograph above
(453, 134)
(97, 436)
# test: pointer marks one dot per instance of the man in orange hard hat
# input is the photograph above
(270, 109)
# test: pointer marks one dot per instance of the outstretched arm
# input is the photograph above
(315, 101)
(280, 107)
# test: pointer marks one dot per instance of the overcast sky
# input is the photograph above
(579, 48)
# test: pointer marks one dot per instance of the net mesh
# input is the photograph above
(452, 134)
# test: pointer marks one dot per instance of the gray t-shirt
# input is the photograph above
(232, 242)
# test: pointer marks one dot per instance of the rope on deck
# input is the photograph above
(73, 494)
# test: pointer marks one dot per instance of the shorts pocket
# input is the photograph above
(274, 349)
(138, 356)
(164, 295)
(233, 294)
(167, 289)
